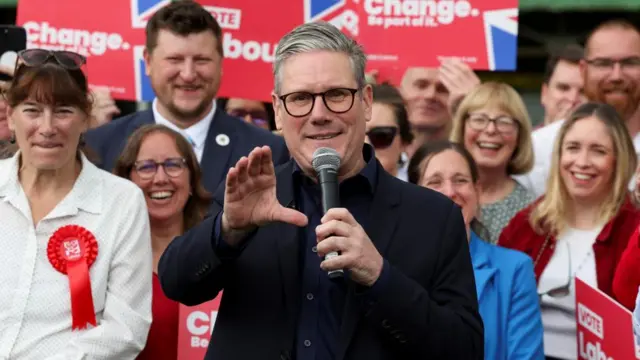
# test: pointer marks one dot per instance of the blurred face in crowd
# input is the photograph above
(48, 135)
(383, 135)
(491, 136)
(426, 98)
(309, 123)
(563, 91)
(448, 173)
(612, 69)
(185, 74)
(251, 111)
(587, 160)
(166, 187)
(5, 133)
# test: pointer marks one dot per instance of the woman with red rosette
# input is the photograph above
(162, 163)
(580, 228)
(75, 259)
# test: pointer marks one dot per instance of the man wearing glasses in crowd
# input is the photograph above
(611, 73)
(183, 59)
(402, 295)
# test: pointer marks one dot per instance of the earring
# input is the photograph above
(12, 139)
(81, 141)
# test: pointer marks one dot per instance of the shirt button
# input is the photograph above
(309, 296)
(307, 343)
(314, 249)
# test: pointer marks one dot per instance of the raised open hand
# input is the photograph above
(250, 195)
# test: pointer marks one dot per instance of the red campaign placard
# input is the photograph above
(604, 327)
(396, 33)
(195, 326)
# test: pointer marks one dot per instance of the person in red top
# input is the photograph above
(626, 280)
(162, 163)
(582, 225)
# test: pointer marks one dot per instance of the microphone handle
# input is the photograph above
(328, 180)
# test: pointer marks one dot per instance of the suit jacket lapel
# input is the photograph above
(380, 229)
(216, 154)
(288, 250)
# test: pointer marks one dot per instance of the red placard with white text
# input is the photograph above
(395, 33)
(604, 327)
(195, 326)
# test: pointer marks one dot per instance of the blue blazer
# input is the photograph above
(508, 300)
(109, 140)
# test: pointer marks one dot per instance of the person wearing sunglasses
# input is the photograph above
(162, 163)
(75, 265)
(582, 225)
(251, 111)
(505, 282)
(388, 131)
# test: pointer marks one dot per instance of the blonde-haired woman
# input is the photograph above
(493, 125)
(581, 227)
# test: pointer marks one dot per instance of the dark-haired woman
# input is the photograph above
(162, 163)
(75, 265)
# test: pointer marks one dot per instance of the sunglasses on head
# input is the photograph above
(38, 57)
(381, 137)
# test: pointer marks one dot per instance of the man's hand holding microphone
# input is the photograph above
(250, 202)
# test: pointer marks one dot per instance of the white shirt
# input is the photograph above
(574, 247)
(543, 141)
(195, 134)
(35, 305)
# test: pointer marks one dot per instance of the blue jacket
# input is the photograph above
(508, 300)
(636, 320)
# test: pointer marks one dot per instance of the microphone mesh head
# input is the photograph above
(324, 158)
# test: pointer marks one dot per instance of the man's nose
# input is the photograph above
(188, 70)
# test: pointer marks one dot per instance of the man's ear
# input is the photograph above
(277, 110)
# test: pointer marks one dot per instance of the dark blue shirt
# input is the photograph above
(323, 299)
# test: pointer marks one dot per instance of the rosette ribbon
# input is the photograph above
(72, 250)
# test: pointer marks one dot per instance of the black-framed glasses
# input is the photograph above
(301, 103)
(38, 57)
(147, 169)
(382, 137)
(564, 290)
(503, 124)
(607, 64)
(257, 117)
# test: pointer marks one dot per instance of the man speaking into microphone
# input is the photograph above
(397, 281)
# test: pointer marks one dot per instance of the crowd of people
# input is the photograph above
(461, 231)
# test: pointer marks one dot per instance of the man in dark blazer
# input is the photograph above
(408, 290)
(183, 57)
(217, 157)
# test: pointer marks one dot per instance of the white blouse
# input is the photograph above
(35, 305)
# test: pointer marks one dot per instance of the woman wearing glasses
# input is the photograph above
(493, 125)
(162, 163)
(581, 226)
(505, 283)
(75, 265)
(388, 131)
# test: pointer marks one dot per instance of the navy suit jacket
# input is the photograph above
(429, 309)
(109, 140)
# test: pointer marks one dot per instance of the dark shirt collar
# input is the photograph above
(369, 172)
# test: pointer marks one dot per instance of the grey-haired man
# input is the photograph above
(408, 290)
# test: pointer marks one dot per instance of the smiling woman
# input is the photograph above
(162, 163)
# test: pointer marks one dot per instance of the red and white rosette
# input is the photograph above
(72, 250)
